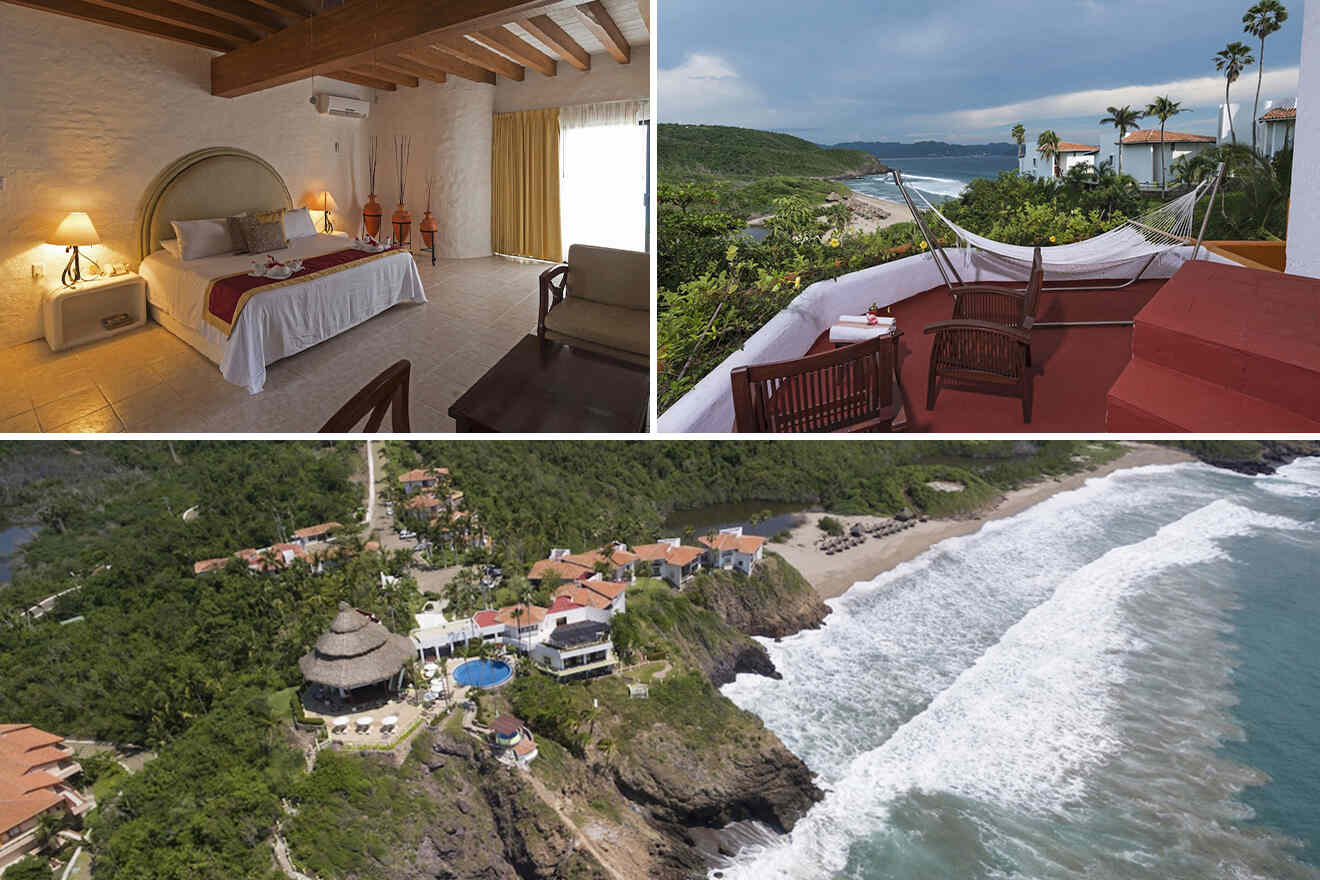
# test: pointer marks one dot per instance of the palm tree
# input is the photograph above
(1261, 20)
(1048, 146)
(1122, 118)
(1233, 59)
(1020, 135)
(1163, 108)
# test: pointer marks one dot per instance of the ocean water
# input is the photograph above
(939, 178)
(1120, 682)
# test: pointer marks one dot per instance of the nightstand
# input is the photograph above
(72, 315)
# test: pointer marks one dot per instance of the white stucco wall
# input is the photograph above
(1304, 214)
(608, 80)
(90, 114)
(450, 125)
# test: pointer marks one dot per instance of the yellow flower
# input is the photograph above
(834, 242)
(1051, 239)
(923, 245)
(797, 283)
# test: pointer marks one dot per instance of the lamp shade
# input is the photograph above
(75, 229)
(321, 200)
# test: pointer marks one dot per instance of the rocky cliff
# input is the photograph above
(775, 600)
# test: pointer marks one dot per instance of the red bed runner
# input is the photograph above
(227, 296)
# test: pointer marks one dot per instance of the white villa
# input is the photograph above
(321, 532)
(671, 560)
(1280, 126)
(1069, 155)
(620, 564)
(731, 549)
(424, 478)
(1141, 152)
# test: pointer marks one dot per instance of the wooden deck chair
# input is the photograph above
(1002, 305)
(389, 391)
(853, 388)
(978, 352)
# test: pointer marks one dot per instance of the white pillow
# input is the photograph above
(203, 238)
(298, 224)
(172, 245)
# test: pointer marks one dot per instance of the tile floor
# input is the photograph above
(147, 380)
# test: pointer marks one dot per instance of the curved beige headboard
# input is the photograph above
(215, 182)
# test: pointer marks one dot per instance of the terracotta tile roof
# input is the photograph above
(204, 565)
(748, 544)
(524, 746)
(591, 557)
(424, 499)
(1278, 113)
(485, 618)
(683, 555)
(25, 792)
(1152, 136)
(530, 614)
(371, 545)
(318, 529)
(579, 594)
(1069, 147)
(680, 555)
(562, 603)
(418, 474)
(506, 725)
(608, 589)
(564, 568)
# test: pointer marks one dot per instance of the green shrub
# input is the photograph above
(830, 526)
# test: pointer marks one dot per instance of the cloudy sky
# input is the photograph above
(954, 71)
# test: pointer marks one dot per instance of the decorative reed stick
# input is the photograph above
(402, 154)
(373, 154)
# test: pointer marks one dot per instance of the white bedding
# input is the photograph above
(284, 321)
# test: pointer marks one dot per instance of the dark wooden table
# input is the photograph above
(542, 386)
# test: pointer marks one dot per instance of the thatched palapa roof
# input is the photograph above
(355, 652)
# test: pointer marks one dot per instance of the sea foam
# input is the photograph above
(1023, 724)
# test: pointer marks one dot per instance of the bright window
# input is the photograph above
(603, 184)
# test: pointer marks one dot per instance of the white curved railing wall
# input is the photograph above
(708, 407)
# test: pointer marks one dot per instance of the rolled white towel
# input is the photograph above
(840, 333)
(881, 320)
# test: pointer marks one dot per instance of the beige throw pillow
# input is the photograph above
(263, 231)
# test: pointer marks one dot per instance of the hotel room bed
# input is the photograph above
(280, 322)
(274, 323)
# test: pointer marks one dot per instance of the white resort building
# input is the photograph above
(1067, 156)
(1280, 125)
(424, 478)
(1141, 152)
(672, 561)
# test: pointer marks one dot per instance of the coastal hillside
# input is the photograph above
(775, 600)
(924, 149)
(721, 151)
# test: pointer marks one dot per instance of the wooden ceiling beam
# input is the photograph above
(358, 80)
(544, 28)
(167, 12)
(598, 20)
(250, 16)
(449, 64)
(474, 53)
(381, 71)
(644, 8)
(127, 22)
(506, 41)
(353, 34)
(407, 65)
(286, 9)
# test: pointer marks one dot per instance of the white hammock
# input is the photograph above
(1144, 238)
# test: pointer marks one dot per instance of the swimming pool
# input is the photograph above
(483, 673)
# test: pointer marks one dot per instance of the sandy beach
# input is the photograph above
(833, 575)
(870, 213)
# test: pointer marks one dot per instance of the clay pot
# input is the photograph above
(428, 228)
(401, 221)
(371, 214)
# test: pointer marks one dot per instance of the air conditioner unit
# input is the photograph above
(338, 105)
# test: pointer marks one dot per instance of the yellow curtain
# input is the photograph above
(524, 186)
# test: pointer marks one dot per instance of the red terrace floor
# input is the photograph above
(1073, 366)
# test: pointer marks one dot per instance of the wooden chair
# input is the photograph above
(968, 351)
(1001, 305)
(853, 388)
(389, 391)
